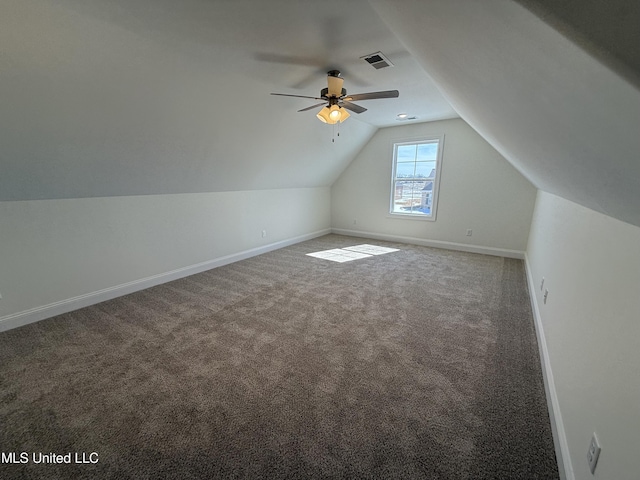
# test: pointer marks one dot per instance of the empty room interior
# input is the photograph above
(420, 258)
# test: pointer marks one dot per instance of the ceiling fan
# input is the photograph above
(336, 101)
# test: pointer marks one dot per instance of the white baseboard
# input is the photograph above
(19, 319)
(463, 247)
(557, 426)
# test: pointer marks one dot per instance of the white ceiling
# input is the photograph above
(610, 31)
(121, 97)
(557, 113)
(104, 98)
(286, 46)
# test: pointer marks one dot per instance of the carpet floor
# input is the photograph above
(420, 363)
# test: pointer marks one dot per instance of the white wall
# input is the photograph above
(479, 190)
(591, 326)
(54, 251)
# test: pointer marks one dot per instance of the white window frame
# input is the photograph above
(439, 139)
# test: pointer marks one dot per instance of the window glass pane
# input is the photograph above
(406, 153)
(415, 177)
(427, 151)
(404, 170)
(412, 197)
(425, 169)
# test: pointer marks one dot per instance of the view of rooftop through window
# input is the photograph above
(414, 177)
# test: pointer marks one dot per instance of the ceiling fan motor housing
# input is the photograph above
(324, 93)
(334, 81)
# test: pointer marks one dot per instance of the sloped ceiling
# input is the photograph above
(121, 97)
(555, 110)
(608, 30)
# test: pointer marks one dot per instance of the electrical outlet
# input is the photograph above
(355, 222)
(542, 284)
(469, 232)
(546, 292)
(593, 453)
(264, 233)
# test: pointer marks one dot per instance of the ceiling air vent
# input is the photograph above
(377, 60)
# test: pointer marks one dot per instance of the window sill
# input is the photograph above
(408, 216)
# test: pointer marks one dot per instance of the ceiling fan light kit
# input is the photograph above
(333, 114)
(337, 102)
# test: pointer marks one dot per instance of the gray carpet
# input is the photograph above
(421, 363)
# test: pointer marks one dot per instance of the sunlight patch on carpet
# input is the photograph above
(348, 254)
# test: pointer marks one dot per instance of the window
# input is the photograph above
(415, 177)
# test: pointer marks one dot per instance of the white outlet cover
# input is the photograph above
(593, 453)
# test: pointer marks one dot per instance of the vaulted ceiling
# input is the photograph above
(561, 116)
(114, 97)
(105, 98)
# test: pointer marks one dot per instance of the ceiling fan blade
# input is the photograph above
(354, 79)
(308, 79)
(313, 106)
(297, 96)
(319, 64)
(353, 107)
(373, 95)
(289, 59)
